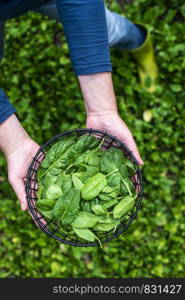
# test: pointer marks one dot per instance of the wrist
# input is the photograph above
(98, 94)
(12, 135)
(104, 114)
(102, 121)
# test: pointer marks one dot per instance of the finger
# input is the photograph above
(37, 217)
(130, 143)
(136, 183)
(19, 188)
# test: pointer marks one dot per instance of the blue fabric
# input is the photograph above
(14, 8)
(6, 108)
(87, 35)
(90, 29)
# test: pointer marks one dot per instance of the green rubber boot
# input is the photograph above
(147, 67)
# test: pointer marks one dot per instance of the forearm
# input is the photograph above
(98, 93)
(12, 135)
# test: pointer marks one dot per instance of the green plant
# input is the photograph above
(37, 76)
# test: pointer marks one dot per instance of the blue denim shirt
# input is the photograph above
(85, 28)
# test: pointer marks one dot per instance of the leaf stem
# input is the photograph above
(69, 166)
(99, 241)
(116, 170)
(101, 143)
(129, 191)
(119, 197)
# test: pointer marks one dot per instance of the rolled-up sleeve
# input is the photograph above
(85, 28)
(6, 108)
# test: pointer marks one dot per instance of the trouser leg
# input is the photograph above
(122, 33)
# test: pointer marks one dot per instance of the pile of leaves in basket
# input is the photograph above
(85, 188)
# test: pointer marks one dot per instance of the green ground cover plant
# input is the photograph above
(37, 76)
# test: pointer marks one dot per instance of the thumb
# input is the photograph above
(130, 143)
(19, 188)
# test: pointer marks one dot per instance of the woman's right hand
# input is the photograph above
(18, 162)
(19, 150)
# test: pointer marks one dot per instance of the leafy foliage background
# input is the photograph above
(37, 76)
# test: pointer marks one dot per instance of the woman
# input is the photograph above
(90, 29)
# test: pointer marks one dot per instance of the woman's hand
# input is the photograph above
(102, 111)
(18, 162)
(19, 150)
(113, 124)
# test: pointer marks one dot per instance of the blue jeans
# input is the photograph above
(122, 33)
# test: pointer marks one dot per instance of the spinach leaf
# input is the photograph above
(93, 186)
(59, 158)
(40, 171)
(85, 234)
(127, 184)
(85, 206)
(54, 191)
(80, 160)
(85, 142)
(123, 170)
(72, 207)
(89, 173)
(57, 150)
(60, 205)
(130, 167)
(45, 204)
(93, 142)
(105, 197)
(64, 182)
(114, 180)
(110, 203)
(92, 159)
(110, 160)
(93, 202)
(48, 179)
(46, 213)
(40, 191)
(110, 189)
(99, 210)
(85, 220)
(123, 207)
(77, 182)
(107, 224)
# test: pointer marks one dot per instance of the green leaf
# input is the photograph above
(107, 224)
(93, 186)
(72, 207)
(109, 203)
(54, 191)
(77, 182)
(99, 209)
(85, 234)
(85, 220)
(91, 171)
(123, 207)
(45, 204)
